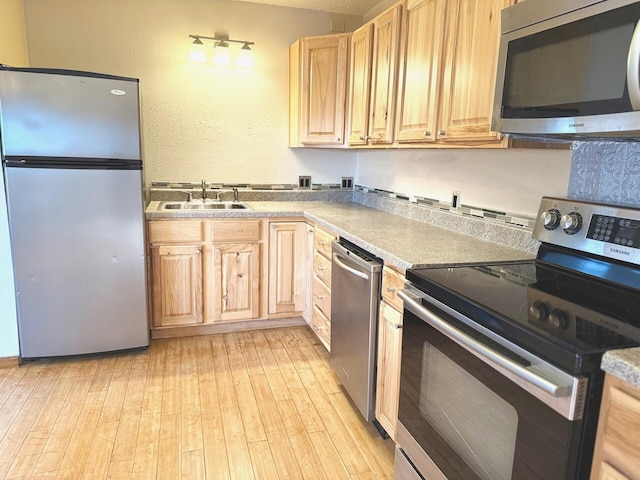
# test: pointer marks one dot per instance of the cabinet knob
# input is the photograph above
(397, 326)
(391, 290)
(199, 250)
(319, 297)
(320, 268)
(427, 133)
(338, 139)
(361, 139)
(319, 328)
(442, 133)
(225, 297)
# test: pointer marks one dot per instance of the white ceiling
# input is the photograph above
(349, 7)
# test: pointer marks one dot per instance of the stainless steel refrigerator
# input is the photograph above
(72, 166)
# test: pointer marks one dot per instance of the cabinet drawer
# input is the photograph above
(322, 268)
(391, 283)
(322, 241)
(175, 231)
(322, 297)
(321, 327)
(235, 230)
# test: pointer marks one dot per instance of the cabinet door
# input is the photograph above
(288, 267)
(386, 33)
(360, 85)
(177, 285)
(323, 65)
(471, 53)
(420, 70)
(388, 379)
(617, 450)
(236, 282)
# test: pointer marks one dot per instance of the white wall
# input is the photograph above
(504, 180)
(13, 51)
(199, 121)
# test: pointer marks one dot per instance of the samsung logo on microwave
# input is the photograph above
(575, 125)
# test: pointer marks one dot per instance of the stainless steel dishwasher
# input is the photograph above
(355, 296)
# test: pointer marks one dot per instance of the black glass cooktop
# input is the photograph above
(567, 317)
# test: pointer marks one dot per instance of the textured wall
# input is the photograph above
(607, 172)
(504, 180)
(199, 121)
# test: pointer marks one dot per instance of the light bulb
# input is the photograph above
(197, 52)
(221, 54)
(245, 57)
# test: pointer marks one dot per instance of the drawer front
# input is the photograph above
(175, 231)
(322, 268)
(322, 241)
(321, 327)
(392, 282)
(322, 297)
(236, 230)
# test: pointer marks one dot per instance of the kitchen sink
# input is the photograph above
(202, 206)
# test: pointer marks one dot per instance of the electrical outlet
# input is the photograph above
(347, 182)
(455, 199)
(304, 181)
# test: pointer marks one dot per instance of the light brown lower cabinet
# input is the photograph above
(288, 267)
(617, 451)
(389, 351)
(236, 282)
(177, 285)
(203, 272)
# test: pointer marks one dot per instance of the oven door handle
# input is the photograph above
(481, 350)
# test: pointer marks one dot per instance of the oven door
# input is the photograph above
(474, 406)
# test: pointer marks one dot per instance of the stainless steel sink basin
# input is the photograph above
(202, 206)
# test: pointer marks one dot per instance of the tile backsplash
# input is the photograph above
(606, 172)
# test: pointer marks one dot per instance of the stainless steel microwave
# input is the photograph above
(569, 68)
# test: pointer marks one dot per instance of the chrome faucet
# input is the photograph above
(235, 194)
(189, 196)
(204, 190)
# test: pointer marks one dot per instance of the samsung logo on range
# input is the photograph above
(621, 252)
(576, 125)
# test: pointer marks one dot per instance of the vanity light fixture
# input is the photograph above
(221, 49)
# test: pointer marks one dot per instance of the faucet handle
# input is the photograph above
(189, 196)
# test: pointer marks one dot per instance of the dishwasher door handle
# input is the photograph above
(344, 266)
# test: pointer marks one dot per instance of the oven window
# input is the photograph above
(479, 425)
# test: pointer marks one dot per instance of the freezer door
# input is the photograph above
(77, 239)
(59, 115)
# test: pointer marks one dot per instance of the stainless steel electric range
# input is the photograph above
(500, 370)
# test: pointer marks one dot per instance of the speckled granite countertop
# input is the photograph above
(399, 241)
(624, 364)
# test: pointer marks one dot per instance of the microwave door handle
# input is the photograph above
(482, 350)
(633, 69)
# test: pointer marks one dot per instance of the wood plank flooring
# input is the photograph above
(248, 405)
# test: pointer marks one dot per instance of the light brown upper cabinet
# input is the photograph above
(420, 72)
(447, 73)
(318, 80)
(471, 55)
(373, 79)
(360, 85)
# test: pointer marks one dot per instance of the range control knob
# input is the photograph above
(538, 311)
(571, 223)
(550, 219)
(558, 319)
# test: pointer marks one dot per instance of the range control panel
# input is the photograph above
(607, 230)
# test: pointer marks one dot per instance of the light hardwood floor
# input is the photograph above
(262, 404)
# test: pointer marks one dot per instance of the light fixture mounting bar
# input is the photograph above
(221, 38)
